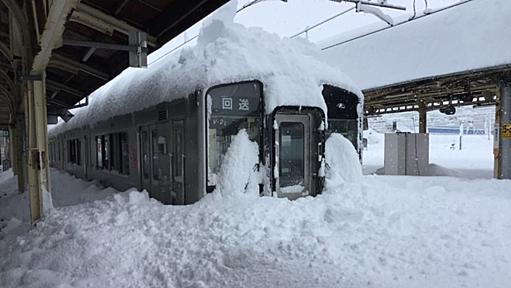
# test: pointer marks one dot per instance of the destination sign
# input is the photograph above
(241, 106)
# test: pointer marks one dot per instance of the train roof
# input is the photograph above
(291, 70)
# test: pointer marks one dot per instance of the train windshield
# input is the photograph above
(342, 113)
(231, 108)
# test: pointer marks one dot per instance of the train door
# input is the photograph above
(145, 158)
(178, 162)
(293, 155)
(161, 170)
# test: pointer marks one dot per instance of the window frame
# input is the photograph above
(261, 114)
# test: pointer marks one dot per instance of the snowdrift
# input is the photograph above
(382, 232)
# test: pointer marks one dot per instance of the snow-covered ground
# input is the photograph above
(382, 231)
(474, 160)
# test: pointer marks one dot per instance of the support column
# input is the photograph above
(20, 151)
(423, 112)
(34, 192)
(12, 145)
(35, 105)
(505, 128)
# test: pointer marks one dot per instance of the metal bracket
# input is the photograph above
(382, 4)
(99, 45)
(31, 77)
(137, 48)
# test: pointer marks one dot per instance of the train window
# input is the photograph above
(178, 172)
(74, 151)
(99, 152)
(106, 151)
(70, 151)
(342, 112)
(145, 154)
(111, 153)
(292, 159)
(231, 108)
(124, 167)
(156, 154)
(78, 153)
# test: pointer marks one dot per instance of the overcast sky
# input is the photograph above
(289, 18)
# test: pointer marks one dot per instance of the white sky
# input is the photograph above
(286, 19)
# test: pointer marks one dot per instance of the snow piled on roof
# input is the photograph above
(473, 35)
(291, 70)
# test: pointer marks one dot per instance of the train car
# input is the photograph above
(166, 128)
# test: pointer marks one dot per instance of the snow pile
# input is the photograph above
(373, 136)
(238, 170)
(83, 191)
(437, 170)
(342, 160)
(14, 213)
(14, 208)
(384, 232)
(291, 69)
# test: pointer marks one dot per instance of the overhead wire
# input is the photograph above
(322, 22)
(396, 25)
(253, 2)
(243, 8)
(414, 17)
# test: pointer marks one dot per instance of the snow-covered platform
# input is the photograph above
(383, 232)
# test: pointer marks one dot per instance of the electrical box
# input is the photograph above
(406, 154)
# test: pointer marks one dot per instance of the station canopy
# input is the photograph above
(74, 71)
(453, 51)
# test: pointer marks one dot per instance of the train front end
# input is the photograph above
(291, 138)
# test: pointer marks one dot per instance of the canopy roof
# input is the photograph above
(472, 35)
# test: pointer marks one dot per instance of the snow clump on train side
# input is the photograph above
(342, 160)
(238, 172)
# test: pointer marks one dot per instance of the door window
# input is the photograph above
(292, 158)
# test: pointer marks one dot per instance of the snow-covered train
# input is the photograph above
(166, 128)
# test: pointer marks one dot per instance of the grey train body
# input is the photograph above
(174, 149)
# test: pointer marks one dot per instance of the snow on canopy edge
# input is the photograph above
(449, 41)
(291, 70)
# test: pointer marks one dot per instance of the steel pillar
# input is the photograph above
(19, 151)
(36, 122)
(504, 147)
(423, 112)
(11, 156)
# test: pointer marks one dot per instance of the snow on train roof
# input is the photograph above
(291, 70)
(473, 35)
